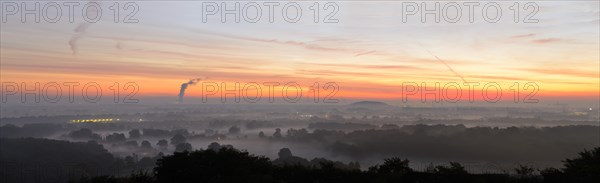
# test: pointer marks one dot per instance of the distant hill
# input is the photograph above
(369, 104)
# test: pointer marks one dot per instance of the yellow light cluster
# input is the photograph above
(105, 120)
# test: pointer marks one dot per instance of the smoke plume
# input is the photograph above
(184, 87)
(81, 30)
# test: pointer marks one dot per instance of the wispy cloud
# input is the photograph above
(503, 78)
(363, 66)
(443, 62)
(547, 40)
(364, 53)
(306, 45)
(523, 36)
(566, 72)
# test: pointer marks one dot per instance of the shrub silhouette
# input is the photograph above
(178, 139)
(227, 164)
(393, 165)
(224, 165)
(181, 147)
(584, 168)
(454, 169)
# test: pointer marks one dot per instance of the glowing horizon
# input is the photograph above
(369, 54)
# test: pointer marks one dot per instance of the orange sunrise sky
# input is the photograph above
(369, 53)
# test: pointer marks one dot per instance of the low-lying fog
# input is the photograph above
(483, 139)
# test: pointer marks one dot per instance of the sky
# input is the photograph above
(369, 53)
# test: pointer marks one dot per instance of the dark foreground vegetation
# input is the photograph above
(230, 165)
(358, 141)
(44, 160)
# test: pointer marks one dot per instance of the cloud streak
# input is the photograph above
(523, 36)
(565, 72)
(442, 61)
(306, 45)
(547, 40)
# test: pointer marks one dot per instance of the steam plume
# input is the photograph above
(80, 31)
(184, 87)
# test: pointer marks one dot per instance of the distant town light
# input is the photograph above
(98, 120)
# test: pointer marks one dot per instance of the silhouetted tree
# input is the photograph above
(234, 130)
(393, 165)
(130, 160)
(225, 165)
(178, 139)
(63, 159)
(162, 143)
(284, 153)
(585, 167)
(286, 158)
(30, 130)
(183, 147)
(214, 146)
(146, 145)
(455, 168)
(183, 132)
(116, 138)
(140, 177)
(525, 171)
(230, 165)
(277, 134)
(134, 134)
(354, 165)
(526, 174)
(553, 175)
(84, 134)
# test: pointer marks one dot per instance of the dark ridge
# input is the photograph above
(369, 103)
